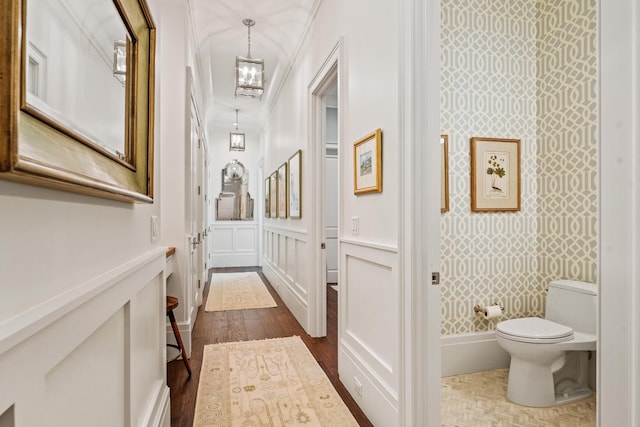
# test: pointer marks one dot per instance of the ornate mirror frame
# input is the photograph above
(34, 150)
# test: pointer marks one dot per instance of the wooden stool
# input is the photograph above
(172, 302)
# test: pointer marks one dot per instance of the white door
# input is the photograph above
(331, 191)
(195, 211)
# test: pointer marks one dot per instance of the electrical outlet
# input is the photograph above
(355, 224)
(357, 386)
(154, 228)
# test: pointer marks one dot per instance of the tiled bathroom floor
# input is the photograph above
(480, 399)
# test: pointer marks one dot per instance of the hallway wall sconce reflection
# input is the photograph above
(120, 60)
(236, 139)
(249, 71)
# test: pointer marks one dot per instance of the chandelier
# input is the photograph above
(249, 71)
(236, 139)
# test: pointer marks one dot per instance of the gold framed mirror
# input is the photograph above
(77, 96)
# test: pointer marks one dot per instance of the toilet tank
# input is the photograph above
(574, 304)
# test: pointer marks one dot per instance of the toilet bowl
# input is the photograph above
(549, 357)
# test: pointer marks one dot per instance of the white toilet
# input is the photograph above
(549, 357)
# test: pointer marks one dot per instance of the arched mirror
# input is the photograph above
(234, 201)
(76, 95)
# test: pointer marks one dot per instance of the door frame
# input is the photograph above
(419, 211)
(327, 76)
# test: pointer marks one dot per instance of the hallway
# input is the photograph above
(254, 324)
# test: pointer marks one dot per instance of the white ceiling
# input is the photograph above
(221, 36)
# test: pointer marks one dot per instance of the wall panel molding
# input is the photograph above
(370, 321)
(115, 310)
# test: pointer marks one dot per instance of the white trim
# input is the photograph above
(293, 295)
(26, 324)
(419, 233)
(158, 414)
(370, 245)
(327, 75)
(475, 352)
(292, 234)
(619, 326)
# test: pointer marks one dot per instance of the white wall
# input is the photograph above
(174, 55)
(369, 286)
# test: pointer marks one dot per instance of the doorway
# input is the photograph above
(331, 168)
(324, 95)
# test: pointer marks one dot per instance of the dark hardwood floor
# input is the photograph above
(254, 324)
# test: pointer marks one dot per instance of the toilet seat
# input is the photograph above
(534, 330)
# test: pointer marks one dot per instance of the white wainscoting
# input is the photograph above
(368, 351)
(94, 355)
(285, 266)
(234, 244)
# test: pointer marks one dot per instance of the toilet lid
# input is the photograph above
(534, 329)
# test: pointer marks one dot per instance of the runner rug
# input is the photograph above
(274, 382)
(237, 291)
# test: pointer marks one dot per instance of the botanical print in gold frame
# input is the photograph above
(283, 195)
(267, 196)
(41, 150)
(273, 195)
(495, 174)
(444, 178)
(295, 185)
(367, 164)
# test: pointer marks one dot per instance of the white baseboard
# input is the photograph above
(377, 399)
(234, 260)
(475, 352)
(185, 334)
(159, 414)
(296, 303)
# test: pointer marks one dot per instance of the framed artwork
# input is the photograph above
(495, 174)
(295, 185)
(54, 142)
(367, 164)
(273, 195)
(444, 178)
(283, 195)
(267, 194)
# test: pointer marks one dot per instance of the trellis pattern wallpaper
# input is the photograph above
(567, 149)
(490, 88)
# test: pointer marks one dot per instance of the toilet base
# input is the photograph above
(561, 399)
(536, 385)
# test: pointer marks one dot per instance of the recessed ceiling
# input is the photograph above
(221, 36)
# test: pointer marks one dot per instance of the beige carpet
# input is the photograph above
(273, 383)
(237, 291)
(480, 399)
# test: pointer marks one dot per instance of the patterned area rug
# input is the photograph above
(274, 382)
(480, 399)
(237, 291)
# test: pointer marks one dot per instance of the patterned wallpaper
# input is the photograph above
(490, 88)
(567, 140)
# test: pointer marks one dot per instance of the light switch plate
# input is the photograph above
(355, 224)
(154, 228)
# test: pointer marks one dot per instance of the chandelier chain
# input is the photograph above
(249, 41)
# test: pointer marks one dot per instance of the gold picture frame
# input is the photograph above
(295, 185)
(495, 174)
(40, 150)
(273, 195)
(367, 164)
(267, 195)
(444, 177)
(283, 194)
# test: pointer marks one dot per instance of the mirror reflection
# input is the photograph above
(76, 70)
(234, 201)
